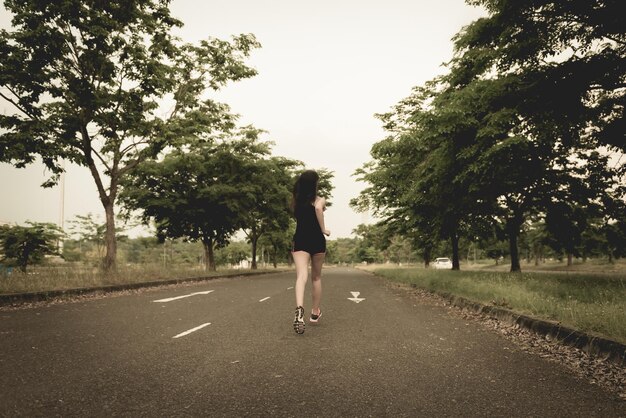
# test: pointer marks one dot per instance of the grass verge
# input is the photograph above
(590, 303)
(62, 278)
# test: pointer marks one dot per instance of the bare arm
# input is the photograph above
(320, 205)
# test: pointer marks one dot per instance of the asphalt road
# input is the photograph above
(383, 356)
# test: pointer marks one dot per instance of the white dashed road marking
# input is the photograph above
(184, 296)
(264, 299)
(182, 334)
(289, 288)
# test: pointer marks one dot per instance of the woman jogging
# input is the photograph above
(309, 243)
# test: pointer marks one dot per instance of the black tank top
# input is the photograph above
(307, 227)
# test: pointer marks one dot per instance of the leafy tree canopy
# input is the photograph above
(25, 245)
(107, 86)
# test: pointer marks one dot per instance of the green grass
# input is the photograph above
(588, 302)
(39, 279)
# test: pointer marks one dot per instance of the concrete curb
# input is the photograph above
(13, 299)
(590, 344)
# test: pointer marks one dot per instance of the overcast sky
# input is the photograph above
(325, 68)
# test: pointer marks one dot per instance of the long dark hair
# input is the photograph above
(304, 190)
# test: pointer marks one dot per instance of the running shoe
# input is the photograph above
(298, 322)
(315, 318)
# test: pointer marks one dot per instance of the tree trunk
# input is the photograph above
(109, 261)
(108, 201)
(274, 255)
(426, 254)
(513, 226)
(209, 256)
(455, 252)
(24, 264)
(253, 241)
(570, 257)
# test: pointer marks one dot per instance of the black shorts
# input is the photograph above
(312, 247)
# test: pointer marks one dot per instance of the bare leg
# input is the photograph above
(316, 278)
(301, 259)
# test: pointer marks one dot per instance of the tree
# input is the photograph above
(24, 245)
(536, 239)
(413, 176)
(565, 226)
(87, 79)
(138, 249)
(615, 234)
(565, 67)
(341, 251)
(202, 193)
(267, 185)
(400, 250)
(233, 253)
(373, 241)
(89, 229)
(390, 176)
(279, 243)
(495, 248)
(366, 254)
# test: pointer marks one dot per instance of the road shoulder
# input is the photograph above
(601, 371)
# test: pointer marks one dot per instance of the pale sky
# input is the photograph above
(325, 68)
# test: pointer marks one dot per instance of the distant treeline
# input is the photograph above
(372, 244)
(21, 246)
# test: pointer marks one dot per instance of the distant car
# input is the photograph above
(443, 263)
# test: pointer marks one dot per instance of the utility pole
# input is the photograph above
(62, 206)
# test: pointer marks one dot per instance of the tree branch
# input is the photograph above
(97, 154)
(182, 89)
(87, 150)
(17, 105)
(134, 144)
(129, 166)
(73, 48)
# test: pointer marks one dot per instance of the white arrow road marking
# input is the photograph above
(182, 334)
(355, 297)
(184, 296)
(261, 300)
